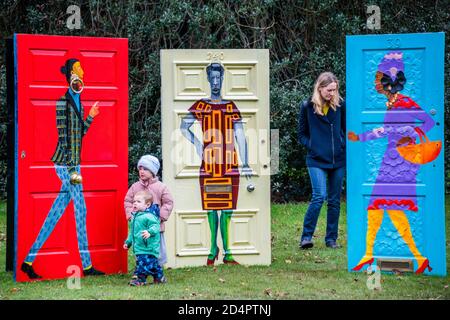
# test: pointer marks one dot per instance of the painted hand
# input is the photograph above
(378, 131)
(145, 234)
(94, 110)
(404, 140)
(352, 136)
(247, 171)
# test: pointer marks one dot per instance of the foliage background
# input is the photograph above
(304, 38)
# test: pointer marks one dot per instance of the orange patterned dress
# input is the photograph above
(219, 173)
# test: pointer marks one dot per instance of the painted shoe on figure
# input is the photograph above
(229, 260)
(28, 269)
(365, 260)
(92, 272)
(425, 265)
(210, 262)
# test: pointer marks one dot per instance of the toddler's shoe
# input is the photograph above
(136, 282)
(160, 281)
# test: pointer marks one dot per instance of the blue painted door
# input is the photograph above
(395, 185)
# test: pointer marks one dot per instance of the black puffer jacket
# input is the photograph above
(323, 136)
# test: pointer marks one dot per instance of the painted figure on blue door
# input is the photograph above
(221, 124)
(401, 160)
(71, 129)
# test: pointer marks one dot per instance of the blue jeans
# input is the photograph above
(319, 179)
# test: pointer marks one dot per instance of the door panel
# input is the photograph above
(104, 153)
(246, 83)
(395, 206)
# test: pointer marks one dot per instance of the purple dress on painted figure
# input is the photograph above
(394, 168)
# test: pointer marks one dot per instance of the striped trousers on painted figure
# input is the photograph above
(68, 192)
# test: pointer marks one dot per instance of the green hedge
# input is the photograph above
(304, 38)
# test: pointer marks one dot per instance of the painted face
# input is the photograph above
(215, 81)
(390, 77)
(145, 174)
(139, 203)
(76, 69)
(329, 91)
(76, 78)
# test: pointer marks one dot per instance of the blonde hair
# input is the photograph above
(324, 79)
(146, 195)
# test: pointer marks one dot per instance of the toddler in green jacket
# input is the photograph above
(144, 237)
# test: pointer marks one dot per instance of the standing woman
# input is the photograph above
(321, 130)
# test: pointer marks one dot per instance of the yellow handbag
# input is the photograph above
(423, 152)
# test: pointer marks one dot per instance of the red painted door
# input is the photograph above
(104, 152)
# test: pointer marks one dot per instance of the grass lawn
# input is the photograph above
(313, 274)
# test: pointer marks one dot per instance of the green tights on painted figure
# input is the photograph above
(213, 219)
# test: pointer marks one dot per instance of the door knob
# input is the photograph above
(23, 154)
(433, 112)
(251, 187)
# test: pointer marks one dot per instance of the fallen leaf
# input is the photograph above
(377, 288)
(215, 269)
(446, 287)
(288, 261)
(397, 272)
(15, 289)
(221, 280)
(319, 261)
(268, 292)
(282, 294)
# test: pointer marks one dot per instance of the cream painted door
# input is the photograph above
(246, 83)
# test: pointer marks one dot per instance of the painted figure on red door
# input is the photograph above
(71, 128)
(401, 160)
(221, 124)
